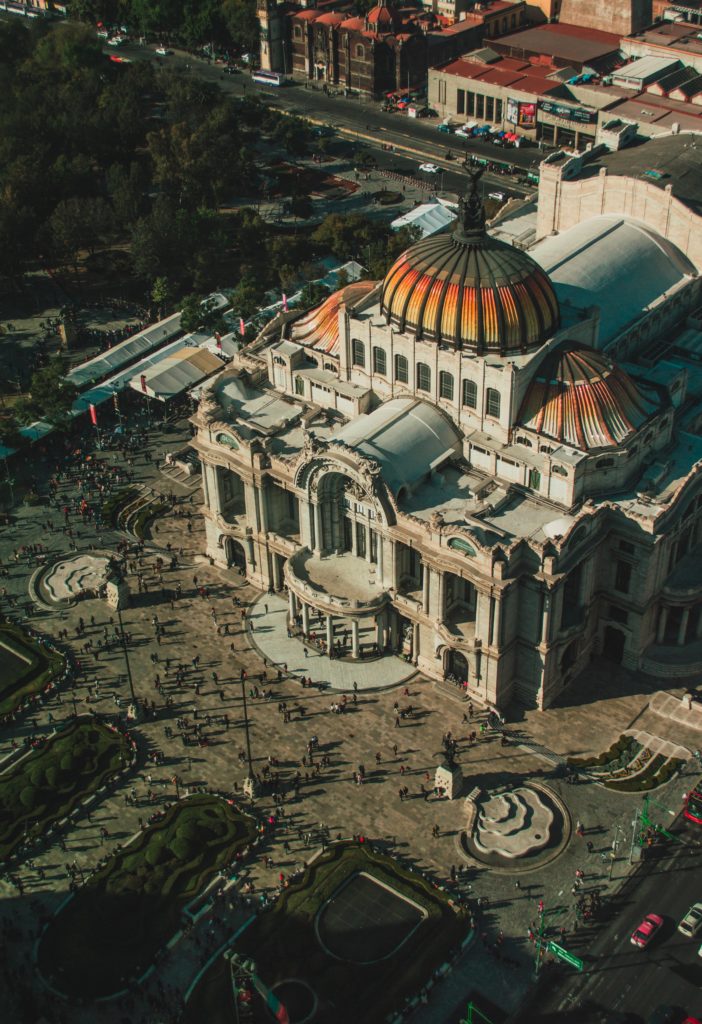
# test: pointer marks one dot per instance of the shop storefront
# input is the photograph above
(564, 124)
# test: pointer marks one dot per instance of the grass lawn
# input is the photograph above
(114, 926)
(26, 666)
(48, 784)
(284, 943)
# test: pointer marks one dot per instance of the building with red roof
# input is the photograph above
(386, 49)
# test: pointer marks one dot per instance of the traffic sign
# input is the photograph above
(565, 956)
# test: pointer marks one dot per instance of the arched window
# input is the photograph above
(358, 356)
(401, 369)
(470, 394)
(298, 32)
(492, 403)
(360, 52)
(423, 377)
(299, 386)
(379, 361)
(446, 385)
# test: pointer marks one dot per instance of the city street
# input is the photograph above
(362, 121)
(620, 977)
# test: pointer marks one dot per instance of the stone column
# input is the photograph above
(354, 537)
(263, 507)
(496, 622)
(292, 606)
(214, 490)
(366, 527)
(318, 534)
(683, 626)
(546, 617)
(662, 623)
(381, 543)
(355, 649)
(277, 582)
(393, 630)
(441, 588)
(330, 632)
(305, 618)
(425, 589)
(380, 630)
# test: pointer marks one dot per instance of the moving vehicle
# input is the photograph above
(646, 931)
(163, 52)
(444, 127)
(497, 196)
(230, 69)
(268, 77)
(429, 168)
(692, 809)
(692, 921)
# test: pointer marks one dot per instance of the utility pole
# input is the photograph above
(540, 935)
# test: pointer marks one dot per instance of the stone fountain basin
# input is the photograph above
(513, 824)
(71, 576)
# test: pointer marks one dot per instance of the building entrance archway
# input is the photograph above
(613, 645)
(457, 666)
(234, 553)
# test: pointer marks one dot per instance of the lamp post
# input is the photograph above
(126, 659)
(250, 782)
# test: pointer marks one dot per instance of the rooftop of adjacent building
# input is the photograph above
(674, 35)
(508, 72)
(562, 42)
(668, 160)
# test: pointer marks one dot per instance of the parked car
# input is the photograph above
(429, 168)
(230, 69)
(692, 921)
(443, 127)
(645, 932)
(499, 197)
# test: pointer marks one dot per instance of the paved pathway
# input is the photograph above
(366, 734)
(269, 634)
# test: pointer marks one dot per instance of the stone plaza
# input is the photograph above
(221, 627)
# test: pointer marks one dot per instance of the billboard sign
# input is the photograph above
(568, 113)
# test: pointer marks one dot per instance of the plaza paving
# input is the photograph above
(365, 734)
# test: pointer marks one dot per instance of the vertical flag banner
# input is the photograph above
(242, 326)
(143, 382)
(93, 415)
(285, 302)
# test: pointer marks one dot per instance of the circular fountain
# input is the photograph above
(516, 828)
(69, 579)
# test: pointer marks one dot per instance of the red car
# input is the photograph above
(642, 935)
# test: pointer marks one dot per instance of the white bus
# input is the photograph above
(268, 77)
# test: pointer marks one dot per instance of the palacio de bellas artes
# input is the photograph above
(486, 465)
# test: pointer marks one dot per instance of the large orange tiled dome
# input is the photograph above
(471, 290)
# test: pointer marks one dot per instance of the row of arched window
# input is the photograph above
(423, 382)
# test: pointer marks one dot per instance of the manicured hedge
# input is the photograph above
(113, 928)
(45, 786)
(17, 680)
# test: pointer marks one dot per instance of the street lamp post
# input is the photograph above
(250, 782)
(126, 659)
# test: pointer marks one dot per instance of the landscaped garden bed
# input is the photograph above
(115, 925)
(27, 668)
(113, 505)
(145, 515)
(659, 770)
(628, 767)
(360, 931)
(50, 783)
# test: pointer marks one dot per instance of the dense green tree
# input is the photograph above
(312, 294)
(162, 294)
(199, 313)
(51, 396)
(247, 297)
(241, 23)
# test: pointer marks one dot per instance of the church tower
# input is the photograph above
(272, 26)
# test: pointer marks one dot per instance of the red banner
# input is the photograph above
(93, 415)
(143, 382)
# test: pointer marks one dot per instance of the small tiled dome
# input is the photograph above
(383, 19)
(581, 398)
(319, 328)
(470, 289)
